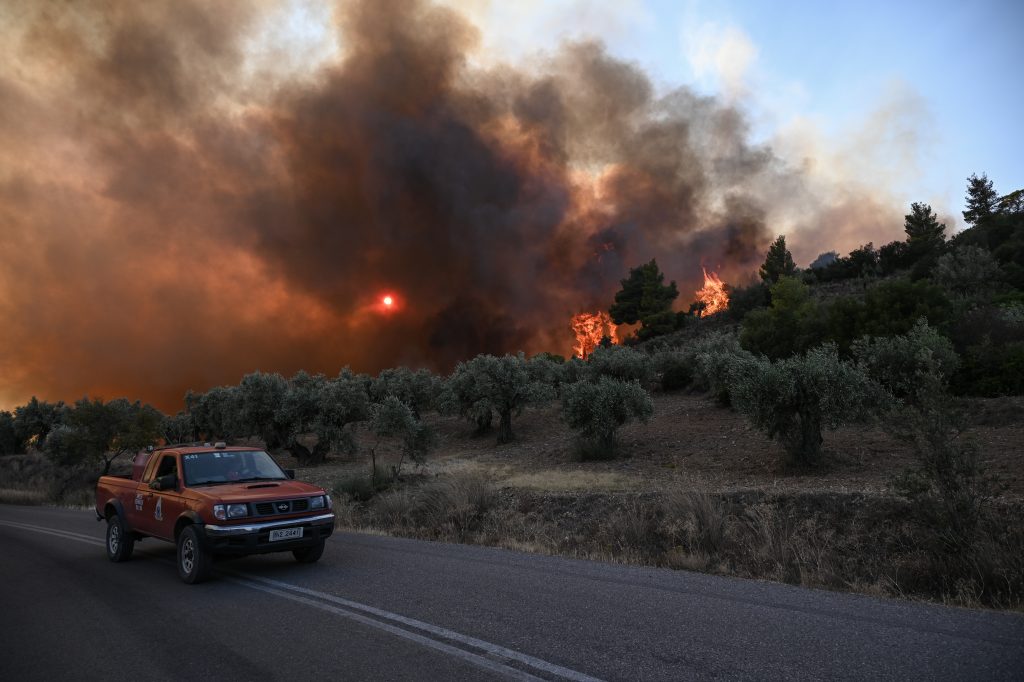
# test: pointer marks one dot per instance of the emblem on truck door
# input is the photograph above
(138, 502)
(158, 513)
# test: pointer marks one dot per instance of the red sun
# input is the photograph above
(388, 301)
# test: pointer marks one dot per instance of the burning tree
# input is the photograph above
(590, 329)
(712, 298)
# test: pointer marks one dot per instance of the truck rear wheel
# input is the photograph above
(120, 542)
(194, 562)
(308, 555)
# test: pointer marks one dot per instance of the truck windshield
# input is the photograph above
(232, 466)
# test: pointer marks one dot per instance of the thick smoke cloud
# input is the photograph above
(168, 219)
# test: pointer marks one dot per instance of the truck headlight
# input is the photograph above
(236, 511)
(317, 502)
(230, 511)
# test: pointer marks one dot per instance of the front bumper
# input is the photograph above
(254, 538)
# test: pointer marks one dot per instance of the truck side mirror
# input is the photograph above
(290, 473)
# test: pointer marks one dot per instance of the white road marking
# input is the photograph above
(362, 613)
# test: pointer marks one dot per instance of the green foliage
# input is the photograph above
(179, 428)
(393, 420)
(777, 263)
(217, 413)
(889, 307)
(911, 366)
(94, 431)
(790, 325)
(326, 408)
(861, 262)
(949, 486)
(675, 370)
(620, 362)
(982, 199)
(894, 256)
(967, 272)
(10, 443)
(597, 409)
(259, 397)
(418, 389)
(34, 419)
(742, 300)
(644, 298)
(792, 400)
(489, 385)
(925, 234)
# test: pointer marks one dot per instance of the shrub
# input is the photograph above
(742, 300)
(596, 410)
(792, 400)
(674, 369)
(967, 272)
(949, 487)
(10, 443)
(619, 362)
(910, 364)
(790, 325)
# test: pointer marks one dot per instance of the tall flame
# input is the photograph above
(713, 295)
(590, 328)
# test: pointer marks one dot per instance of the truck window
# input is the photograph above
(168, 465)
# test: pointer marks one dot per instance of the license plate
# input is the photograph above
(285, 534)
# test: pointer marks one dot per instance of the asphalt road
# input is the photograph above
(394, 609)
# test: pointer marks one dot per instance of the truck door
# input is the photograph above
(159, 509)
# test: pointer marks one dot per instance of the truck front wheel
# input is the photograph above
(120, 542)
(194, 562)
(308, 555)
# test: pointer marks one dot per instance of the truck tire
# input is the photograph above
(194, 562)
(309, 555)
(120, 542)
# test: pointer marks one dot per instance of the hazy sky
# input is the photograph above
(924, 93)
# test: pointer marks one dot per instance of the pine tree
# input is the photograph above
(923, 227)
(645, 298)
(778, 263)
(982, 199)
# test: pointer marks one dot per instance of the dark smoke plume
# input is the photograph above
(170, 220)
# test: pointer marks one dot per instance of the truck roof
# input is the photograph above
(190, 448)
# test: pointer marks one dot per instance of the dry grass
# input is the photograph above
(17, 496)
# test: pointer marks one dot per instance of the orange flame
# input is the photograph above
(590, 328)
(713, 295)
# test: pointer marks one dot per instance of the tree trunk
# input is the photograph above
(505, 427)
(300, 452)
(483, 423)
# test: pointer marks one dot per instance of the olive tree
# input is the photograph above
(792, 400)
(418, 389)
(908, 365)
(259, 396)
(620, 362)
(597, 409)
(218, 413)
(392, 423)
(325, 408)
(489, 385)
(94, 431)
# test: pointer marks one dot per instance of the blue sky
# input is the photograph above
(913, 95)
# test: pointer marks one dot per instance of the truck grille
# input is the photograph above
(281, 507)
